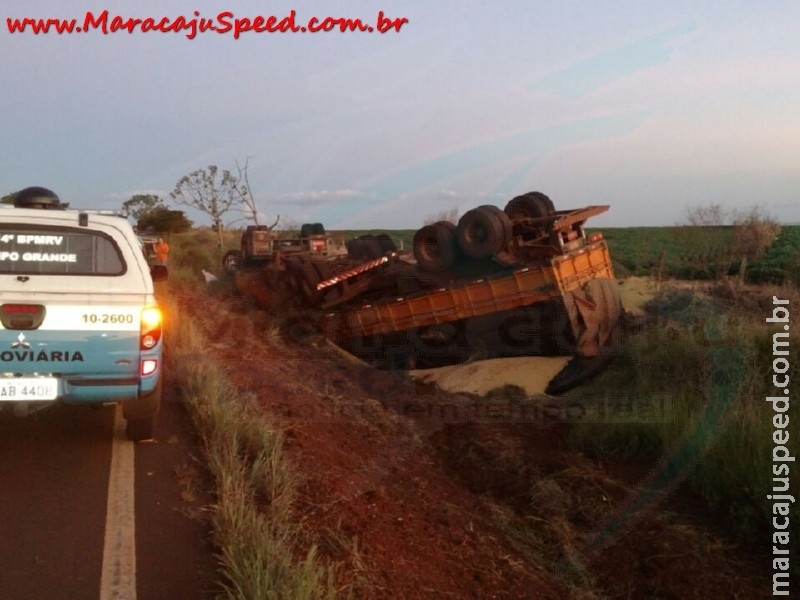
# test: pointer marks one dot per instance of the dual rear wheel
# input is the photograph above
(481, 233)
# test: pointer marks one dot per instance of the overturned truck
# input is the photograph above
(525, 280)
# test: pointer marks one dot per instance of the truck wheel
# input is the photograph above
(355, 248)
(308, 280)
(374, 247)
(508, 226)
(435, 246)
(293, 276)
(365, 247)
(482, 232)
(231, 260)
(309, 229)
(386, 242)
(531, 205)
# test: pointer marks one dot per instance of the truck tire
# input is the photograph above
(309, 229)
(231, 260)
(483, 232)
(435, 246)
(355, 248)
(308, 279)
(293, 276)
(373, 247)
(508, 226)
(387, 243)
(531, 205)
(365, 247)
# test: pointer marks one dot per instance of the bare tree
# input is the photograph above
(753, 232)
(446, 215)
(212, 192)
(248, 202)
(708, 215)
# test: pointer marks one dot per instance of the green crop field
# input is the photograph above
(403, 238)
(701, 253)
(781, 263)
(688, 252)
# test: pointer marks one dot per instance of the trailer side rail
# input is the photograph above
(522, 287)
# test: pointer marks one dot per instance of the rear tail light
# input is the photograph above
(595, 237)
(149, 366)
(151, 327)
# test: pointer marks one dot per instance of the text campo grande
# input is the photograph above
(781, 457)
(222, 23)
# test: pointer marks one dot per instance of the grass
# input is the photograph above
(711, 357)
(252, 520)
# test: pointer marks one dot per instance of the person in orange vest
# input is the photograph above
(161, 249)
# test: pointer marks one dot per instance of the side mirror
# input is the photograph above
(158, 272)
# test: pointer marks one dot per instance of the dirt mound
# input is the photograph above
(415, 492)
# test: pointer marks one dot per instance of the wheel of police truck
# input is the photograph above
(140, 415)
(531, 206)
(435, 246)
(483, 232)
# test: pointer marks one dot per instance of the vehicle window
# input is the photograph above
(57, 251)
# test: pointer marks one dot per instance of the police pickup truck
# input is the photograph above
(79, 321)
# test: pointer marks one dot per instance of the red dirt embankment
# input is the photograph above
(418, 493)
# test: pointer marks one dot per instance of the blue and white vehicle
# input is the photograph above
(79, 321)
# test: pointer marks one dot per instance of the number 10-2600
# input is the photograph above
(110, 318)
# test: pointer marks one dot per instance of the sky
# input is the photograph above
(649, 107)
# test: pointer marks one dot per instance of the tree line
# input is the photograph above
(213, 191)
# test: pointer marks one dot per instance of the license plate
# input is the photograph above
(28, 388)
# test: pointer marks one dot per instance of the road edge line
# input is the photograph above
(118, 576)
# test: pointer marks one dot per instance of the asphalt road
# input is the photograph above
(86, 514)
